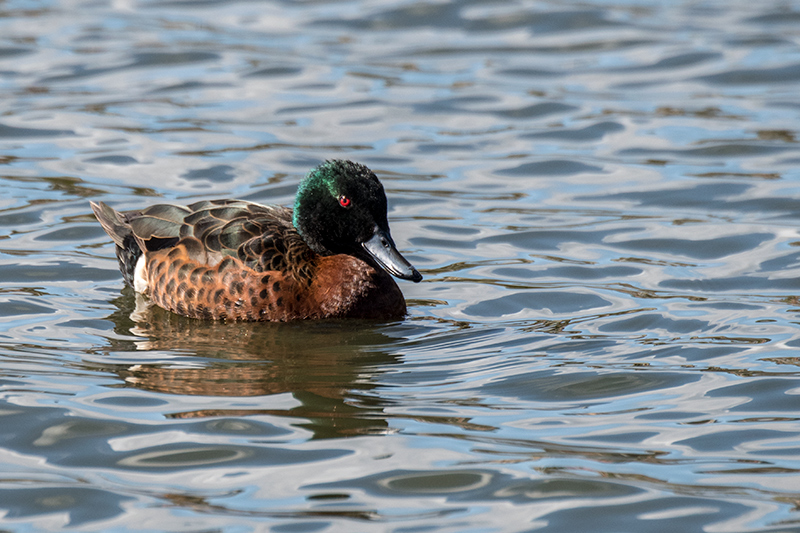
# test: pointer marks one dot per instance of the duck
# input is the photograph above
(329, 256)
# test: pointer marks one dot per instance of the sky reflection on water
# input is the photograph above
(603, 200)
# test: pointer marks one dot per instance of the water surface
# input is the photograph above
(604, 201)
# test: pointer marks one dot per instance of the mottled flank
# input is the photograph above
(236, 260)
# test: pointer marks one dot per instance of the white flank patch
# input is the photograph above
(140, 276)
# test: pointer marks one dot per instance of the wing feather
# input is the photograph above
(262, 237)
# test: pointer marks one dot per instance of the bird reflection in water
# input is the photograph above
(327, 366)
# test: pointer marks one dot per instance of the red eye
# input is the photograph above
(344, 201)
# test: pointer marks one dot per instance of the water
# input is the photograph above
(604, 199)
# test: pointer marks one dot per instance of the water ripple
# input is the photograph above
(603, 201)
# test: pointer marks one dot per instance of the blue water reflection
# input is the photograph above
(602, 197)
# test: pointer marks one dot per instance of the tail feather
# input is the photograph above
(128, 249)
(112, 221)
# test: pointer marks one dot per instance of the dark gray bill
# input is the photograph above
(381, 248)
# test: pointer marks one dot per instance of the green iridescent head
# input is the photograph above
(341, 209)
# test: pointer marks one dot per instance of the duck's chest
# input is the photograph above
(346, 287)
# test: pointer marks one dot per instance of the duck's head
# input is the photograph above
(341, 209)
